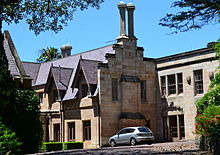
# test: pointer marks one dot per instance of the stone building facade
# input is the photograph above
(183, 79)
(91, 95)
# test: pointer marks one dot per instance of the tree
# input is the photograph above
(208, 118)
(195, 15)
(40, 15)
(9, 142)
(48, 54)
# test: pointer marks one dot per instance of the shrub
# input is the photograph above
(9, 143)
(72, 145)
(208, 125)
(52, 146)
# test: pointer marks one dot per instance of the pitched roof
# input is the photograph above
(14, 63)
(90, 68)
(72, 62)
(61, 77)
(31, 69)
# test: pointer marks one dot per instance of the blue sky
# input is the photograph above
(93, 28)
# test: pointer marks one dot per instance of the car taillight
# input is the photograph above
(140, 134)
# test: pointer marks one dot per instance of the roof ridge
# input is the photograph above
(78, 54)
(61, 67)
(30, 62)
(183, 53)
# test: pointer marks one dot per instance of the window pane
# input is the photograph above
(163, 85)
(40, 95)
(56, 132)
(71, 131)
(198, 82)
(180, 83)
(114, 89)
(87, 130)
(143, 91)
(171, 84)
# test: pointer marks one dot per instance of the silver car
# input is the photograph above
(132, 135)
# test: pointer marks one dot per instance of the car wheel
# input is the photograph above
(149, 143)
(112, 143)
(133, 142)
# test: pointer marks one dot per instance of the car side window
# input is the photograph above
(122, 131)
(130, 130)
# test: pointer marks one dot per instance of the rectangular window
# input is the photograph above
(84, 90)
(114, 89)
(55, 95)
(71, 131)
(87, 130)
(40, 96)
(56, 128)
(180, 83)
(171, 84)
(143, 91)
(173, 126)
(163, 85)
(198, 82)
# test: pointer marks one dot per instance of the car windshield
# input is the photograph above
(143, 129)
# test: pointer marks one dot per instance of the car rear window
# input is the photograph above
(143, 129)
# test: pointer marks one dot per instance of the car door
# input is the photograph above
(125, 136)
(121, 136)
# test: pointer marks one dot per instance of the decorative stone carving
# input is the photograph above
(188, 79)
(211, 75)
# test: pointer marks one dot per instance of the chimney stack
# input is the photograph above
(122, 8)
(131, 8)
(66, 50)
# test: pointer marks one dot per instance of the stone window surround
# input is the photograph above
(198, 81)
(143, 90)
(115, 84)
(71, 131)
(86, 130)
(56, 132)
(164, 85)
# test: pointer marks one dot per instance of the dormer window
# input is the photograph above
(84, 90)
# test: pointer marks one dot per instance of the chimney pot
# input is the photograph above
(122, 8)
(131, 8)
(66, 50)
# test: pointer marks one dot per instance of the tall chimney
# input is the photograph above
(130, 8)
(122, 9)
(66, 50)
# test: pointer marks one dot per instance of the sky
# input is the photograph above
(94, 28)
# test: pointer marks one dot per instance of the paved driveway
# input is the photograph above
(171, 148)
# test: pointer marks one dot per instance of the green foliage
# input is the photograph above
(22, 115)
(48, 54)
(217, 49)
(216, 81)
(9, 143)
(42, 15)
(26, 107)
(212, 97)
(72, 145)
(208, 124)
(195, 14)
(53, 146)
